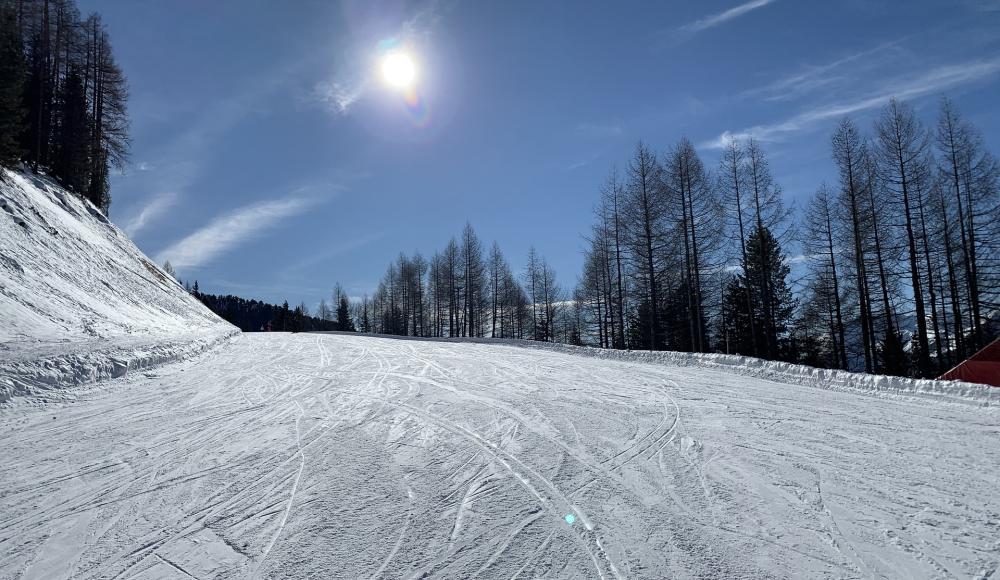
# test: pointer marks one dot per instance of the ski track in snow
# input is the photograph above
(287, 456)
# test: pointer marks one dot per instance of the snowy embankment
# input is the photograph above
(78, 300)
(880, 385)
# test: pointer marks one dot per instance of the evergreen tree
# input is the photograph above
(773, 311)
(771, 318)
(366, 323)
(109, 140)
(283, 319)
(738, 333)
(71, 162)
(895, 360)
(254, 315)
(12, 75)
(676, 318)
(344, 321)
(62, 96)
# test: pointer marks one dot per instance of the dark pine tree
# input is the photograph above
(895, 360)
(738, 333)
(676, 317)
(282, 321)
(344, 321)
(640, 325)
(38, 88)
(72, 156)
(254, 315)
(12, 75)
(774, 311)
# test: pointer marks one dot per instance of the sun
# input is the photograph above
(398, 70)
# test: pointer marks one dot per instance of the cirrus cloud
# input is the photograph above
(927, 83)
(230, 230)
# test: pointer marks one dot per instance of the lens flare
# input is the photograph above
(420, 112)
(398, 70)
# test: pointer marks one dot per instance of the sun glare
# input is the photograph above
(398, 70)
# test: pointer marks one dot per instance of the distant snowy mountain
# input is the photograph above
(78, 300)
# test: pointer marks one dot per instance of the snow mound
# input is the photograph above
(783, 372)
(78, 300)
(833, 379)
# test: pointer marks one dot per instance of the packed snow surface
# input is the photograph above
(78, 300)
(332, 456)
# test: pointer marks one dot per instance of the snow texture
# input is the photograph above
(78, 300)
(345, 456)
(880, 385)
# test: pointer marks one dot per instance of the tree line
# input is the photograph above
(258, 316)
(62, 96)
(467, 291)
(901, 252)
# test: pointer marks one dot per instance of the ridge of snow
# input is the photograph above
(78, 300)
(831, 379)
(47, 376)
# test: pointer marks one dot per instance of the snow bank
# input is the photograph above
(879, 385)
(47, 375)
(805, 375)
(78, 300)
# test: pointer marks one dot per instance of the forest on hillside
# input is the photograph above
(258, 316)
(62, 96)
(901, 256)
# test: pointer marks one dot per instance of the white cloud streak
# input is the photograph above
(339, 96)
(230, 230)
(932, 81)
(179, 162)
(152, 210)
(334, 251)
(821, 76)
(599, 130)
(723, 17)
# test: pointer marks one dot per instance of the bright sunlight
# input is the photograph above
(398, 70)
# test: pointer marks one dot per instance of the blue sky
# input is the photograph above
(270, 161)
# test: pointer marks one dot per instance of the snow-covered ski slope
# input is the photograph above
(333, 456)
(78, 300)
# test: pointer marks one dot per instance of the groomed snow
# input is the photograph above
(333, 456)
(78, 300)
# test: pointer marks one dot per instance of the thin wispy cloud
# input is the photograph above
(181, 160)
(599, 130)
(339, 96)
(583, 163)
(714, 20)
(333, 251)
(822, 76)
(984, 5)
(156, 207)
(930, 82)
(231, 230)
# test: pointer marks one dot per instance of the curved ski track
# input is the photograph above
(292, 456)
